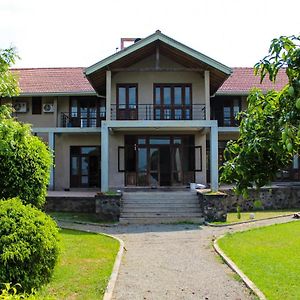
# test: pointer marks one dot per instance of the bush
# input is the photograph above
(10, 292)
(24, 161)
(28, 245)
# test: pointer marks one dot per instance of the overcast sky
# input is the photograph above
(71, 33)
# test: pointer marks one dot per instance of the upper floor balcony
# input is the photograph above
(158, 112)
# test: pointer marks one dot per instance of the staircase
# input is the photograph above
(160, 207)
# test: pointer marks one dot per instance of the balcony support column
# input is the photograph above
(108, 95)
(51, 144)
(207, 94)
(104, 157)
(214, 166)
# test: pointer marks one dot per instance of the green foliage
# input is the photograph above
(257, 204)
(28, 245)
(10, 292)
(270, 126)
(24, 161)
(8, 81)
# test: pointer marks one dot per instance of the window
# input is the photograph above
(225, 110)
(127, 101)
(36, 105)
(86, 112)
(172, 101)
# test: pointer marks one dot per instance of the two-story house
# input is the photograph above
(147, 116)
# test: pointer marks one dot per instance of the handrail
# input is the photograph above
(158, 112)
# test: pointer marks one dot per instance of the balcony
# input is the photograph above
(158, 112)
(82, 121)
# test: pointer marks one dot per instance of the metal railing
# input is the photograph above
(158, 112)
(68, 120)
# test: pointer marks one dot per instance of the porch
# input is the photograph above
(158, 155)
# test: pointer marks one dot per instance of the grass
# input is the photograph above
(76, 217)
(85, 265)
(259, 215)
(269, 256)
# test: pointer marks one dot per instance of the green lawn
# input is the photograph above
(84, 267)
(259, 215)
(270, 257)
(77, 217)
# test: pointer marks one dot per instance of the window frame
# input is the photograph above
(36, 105)
(173, 108)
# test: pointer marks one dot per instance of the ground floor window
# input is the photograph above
(85, 166)
(159, 160)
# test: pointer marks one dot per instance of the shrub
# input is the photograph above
(238, 212)
(10, 292)
(24, 161)
(28, 245)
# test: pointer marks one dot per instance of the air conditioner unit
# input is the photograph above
(20, 107)
(48, 108)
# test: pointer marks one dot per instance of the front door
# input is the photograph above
(85, 166)
(159, 160)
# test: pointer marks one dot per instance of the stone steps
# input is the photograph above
(160, 207)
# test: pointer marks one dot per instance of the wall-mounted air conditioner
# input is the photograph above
(20, 107)
(48, 108)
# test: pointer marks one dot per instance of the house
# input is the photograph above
(157, 113)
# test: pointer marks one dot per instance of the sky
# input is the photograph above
(73, 33)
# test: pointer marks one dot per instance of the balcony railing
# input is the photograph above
(81, 121)
(158, 112)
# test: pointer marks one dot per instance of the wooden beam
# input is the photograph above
(157, 70)
(157, 58)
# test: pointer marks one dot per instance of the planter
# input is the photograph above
(213, 205)
(108, 207)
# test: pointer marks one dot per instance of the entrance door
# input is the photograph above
(160, 160)
(85, 166)
(165, 166)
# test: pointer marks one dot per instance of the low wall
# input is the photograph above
(105, 207)
(284, 197)
(70, 204)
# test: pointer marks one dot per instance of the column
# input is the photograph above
(207, 94)
(104, 157)
(51, 144)
(214, 166)
(108, 95)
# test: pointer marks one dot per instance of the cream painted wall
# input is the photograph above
(200, 140)
(116, 179)
(145, 80)
(62, 155)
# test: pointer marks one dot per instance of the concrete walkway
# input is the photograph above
(174, 262)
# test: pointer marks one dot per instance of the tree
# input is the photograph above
(269, 128)
(24, 161)
(8, 81)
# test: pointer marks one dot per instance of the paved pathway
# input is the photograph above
(174, 262)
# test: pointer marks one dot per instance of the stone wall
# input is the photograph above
(213, 206)
(105, 207)
(70, 204)
(284, 197)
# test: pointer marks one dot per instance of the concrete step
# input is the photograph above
(160, 205)
(159, 201)
(160, 214)
(166, 195)
(161, 220)
(161, 210)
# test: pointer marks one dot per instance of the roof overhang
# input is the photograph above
(181, 54)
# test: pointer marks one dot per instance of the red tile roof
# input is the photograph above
(72, 81)
(53, 81)
(242, 80)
